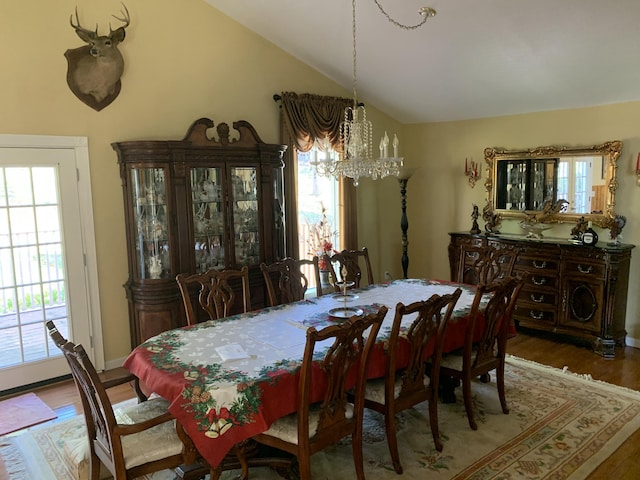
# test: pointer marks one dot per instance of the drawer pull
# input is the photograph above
(538, 281)
(537, 264)
(536, 315)
(539, 299)
(585, 269)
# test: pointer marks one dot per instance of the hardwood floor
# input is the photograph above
(624, 370)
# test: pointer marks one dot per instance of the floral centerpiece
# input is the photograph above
(320, 240)
(327, 248)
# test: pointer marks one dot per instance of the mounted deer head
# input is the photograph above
(94, 70)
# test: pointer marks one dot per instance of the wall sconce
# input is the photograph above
(472, 172)
(638, 170)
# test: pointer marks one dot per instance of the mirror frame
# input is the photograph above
(609, 150)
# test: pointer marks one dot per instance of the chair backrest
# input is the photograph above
(426, 330)
(216, 293)
(350, 261)
(352, 344)
(485, 264)
(497, 316)
(98, 411)
(286, 281)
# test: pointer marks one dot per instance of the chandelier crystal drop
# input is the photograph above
(356, 133)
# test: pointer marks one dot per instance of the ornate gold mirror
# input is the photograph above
(520, 182)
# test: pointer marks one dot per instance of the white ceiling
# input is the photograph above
(474, 59)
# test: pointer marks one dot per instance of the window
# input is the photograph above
(317, 198)
(575, 183)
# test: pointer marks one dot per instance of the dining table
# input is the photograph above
(229, 379)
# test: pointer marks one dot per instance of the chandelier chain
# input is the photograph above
(353, 29)
(426, 12)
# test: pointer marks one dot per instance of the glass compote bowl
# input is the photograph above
(534, 230)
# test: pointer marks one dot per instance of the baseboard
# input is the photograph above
(111, 364)
(633, 342)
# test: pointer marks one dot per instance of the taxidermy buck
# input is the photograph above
(94, 70)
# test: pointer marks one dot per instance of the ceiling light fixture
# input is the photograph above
(355, 160)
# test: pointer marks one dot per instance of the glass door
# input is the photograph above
(150, 217)
(246, 228)
(42, 265)
(207, 200)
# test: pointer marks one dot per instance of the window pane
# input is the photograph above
(19, 186)
(48, 224)
(51, 262)
(44, 186)
(26, 265)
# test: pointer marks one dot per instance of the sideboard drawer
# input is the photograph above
(578, 267)
(533, 316)
(538, 265)
(540, 281)
(536, 298)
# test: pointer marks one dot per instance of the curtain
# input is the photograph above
(304, 120)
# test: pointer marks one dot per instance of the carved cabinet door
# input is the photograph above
(582, 308)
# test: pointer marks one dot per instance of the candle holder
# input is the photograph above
(472, 172)
(638, 170)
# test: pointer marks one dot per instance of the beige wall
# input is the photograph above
(184, 60)
(440, 199)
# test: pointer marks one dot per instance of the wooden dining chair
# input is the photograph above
(485, 351)
(485, 264)
(406, 386)
(315, 426)
(216, 293)
(353, 262)
(286, 281)
(150, 443)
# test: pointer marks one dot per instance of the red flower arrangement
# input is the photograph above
(327, 248)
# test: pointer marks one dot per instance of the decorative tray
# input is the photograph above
(345, 297)
(345, 312)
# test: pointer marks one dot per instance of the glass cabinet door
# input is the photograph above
(246, 234)
(208, 218)
(544, 179)
(150, 219)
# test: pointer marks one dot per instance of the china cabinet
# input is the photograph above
(575, 290)
(195, 204)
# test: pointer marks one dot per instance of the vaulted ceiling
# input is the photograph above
(474, 59)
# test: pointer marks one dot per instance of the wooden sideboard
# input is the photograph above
(574, 290)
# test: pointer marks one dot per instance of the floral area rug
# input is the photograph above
(561, 426)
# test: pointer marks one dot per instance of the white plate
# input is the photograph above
(345, 312)
(349, 297)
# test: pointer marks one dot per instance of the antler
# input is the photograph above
(78, 28)
(125, 20)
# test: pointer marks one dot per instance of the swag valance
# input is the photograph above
(310, 118)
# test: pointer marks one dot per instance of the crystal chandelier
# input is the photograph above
(356, 132)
